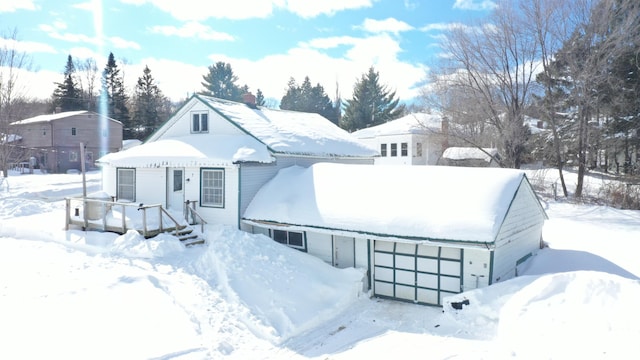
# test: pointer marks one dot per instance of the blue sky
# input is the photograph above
(265, 41)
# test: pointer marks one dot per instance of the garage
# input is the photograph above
(416, 272)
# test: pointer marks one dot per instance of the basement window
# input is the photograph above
(290, 238)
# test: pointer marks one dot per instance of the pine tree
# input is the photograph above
(260, 98)
(116, 98)
(372, 104)
(150, 108)
(220, 82)
(67, 96)
(308, 98)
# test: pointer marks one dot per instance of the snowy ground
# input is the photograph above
(79, 295)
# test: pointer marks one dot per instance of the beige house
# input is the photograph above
(53, 140)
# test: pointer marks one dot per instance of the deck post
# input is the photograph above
(68, 215)
(160, 217)
(124, 219)
(144, 222)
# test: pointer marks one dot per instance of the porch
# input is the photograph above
(100, 214)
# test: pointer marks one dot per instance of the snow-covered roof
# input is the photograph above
(127, 144)
(418, 123)
(469, 153)
(291, 132)
(437, 203)
(53, 117)
(191, 150)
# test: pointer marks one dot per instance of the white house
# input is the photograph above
(421, 232)
(415, 139)
(216, 154)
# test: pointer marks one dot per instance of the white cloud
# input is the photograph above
(192, 29)
(120, 43)
(27, 46)
(474, 4)
(14, 5)
(198, 10)
(389, 25)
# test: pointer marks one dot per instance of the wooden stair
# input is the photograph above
(188, 236)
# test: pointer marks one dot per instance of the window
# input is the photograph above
(73, 156)
(73, 131)
(394, 149)
(404, 149)
(383, 149)
(419, 149)
(212, 187)
(200, 122)
(126, 184)
(177, 180)
(290, 238)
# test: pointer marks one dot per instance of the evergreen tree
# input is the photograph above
(220, 82)
(308, 98)
(372, 104)
(67, 96)
(260, 98)
(150, 108)
(116, 98)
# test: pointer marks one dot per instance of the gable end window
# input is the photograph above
(212, 188)
(292, 239)
(404, 149)
(383, 149)
(126, 184)
(199, 122)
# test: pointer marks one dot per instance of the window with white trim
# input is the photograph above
(177, 180)
(212, 187)
(199, 122)
(383, 149)
(394, 149)
(73, 132)
(404, 149)
(126, 184)
(73, 156)
(290, 238)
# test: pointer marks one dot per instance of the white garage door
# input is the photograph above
(418, 273)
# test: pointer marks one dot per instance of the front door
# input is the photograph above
(344, 252)
(175, 189)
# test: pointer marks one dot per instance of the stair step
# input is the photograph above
(194, 241)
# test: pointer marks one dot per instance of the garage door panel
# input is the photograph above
(406, 262)
(428, 296)
(427, 265)
(451, 284)
(428, 281)
(450, 253)
(384, 259)
(426, 250)
(405, 292)
(406, 277)
(450, 267)
(384, 289)
(384, 274)
(402, 248)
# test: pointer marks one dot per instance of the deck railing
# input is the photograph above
(119, 217)
(192, 216)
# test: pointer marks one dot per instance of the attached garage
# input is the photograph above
(421, 232)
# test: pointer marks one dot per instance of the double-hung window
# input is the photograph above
(73, 156)
(290, 238)
(383, 149)
(212, 187)
(404, 149)
(126, 184)
(394, 149)
(199, 122)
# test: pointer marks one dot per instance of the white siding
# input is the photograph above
(520, 233)
(362, 253)
(109, 180)
(228, 215)
(320, 246)
(151, 186)
(476, 268)
(430, 150)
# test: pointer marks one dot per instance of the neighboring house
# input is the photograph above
(421, 232)
(216, 154)
(470, 156)
(54, 139)
(415, 139)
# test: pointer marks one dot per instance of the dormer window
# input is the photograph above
(199, 122)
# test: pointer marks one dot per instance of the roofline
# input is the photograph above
(475, 244)
(77, 112)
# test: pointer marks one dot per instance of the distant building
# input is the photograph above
(470, 156)
(415, 139)
(54, 139)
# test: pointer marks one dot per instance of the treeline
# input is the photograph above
(147, 108)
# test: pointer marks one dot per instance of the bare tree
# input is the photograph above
(492, 66)
(88, 70)
(12, 94)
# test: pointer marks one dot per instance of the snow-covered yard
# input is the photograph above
(79, 295)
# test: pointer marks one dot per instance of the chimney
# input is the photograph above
(249, 99)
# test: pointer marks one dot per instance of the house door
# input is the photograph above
(344, 252)
(175, 188)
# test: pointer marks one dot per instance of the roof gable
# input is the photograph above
(418, 202)
(58, 116)
(290, 132)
